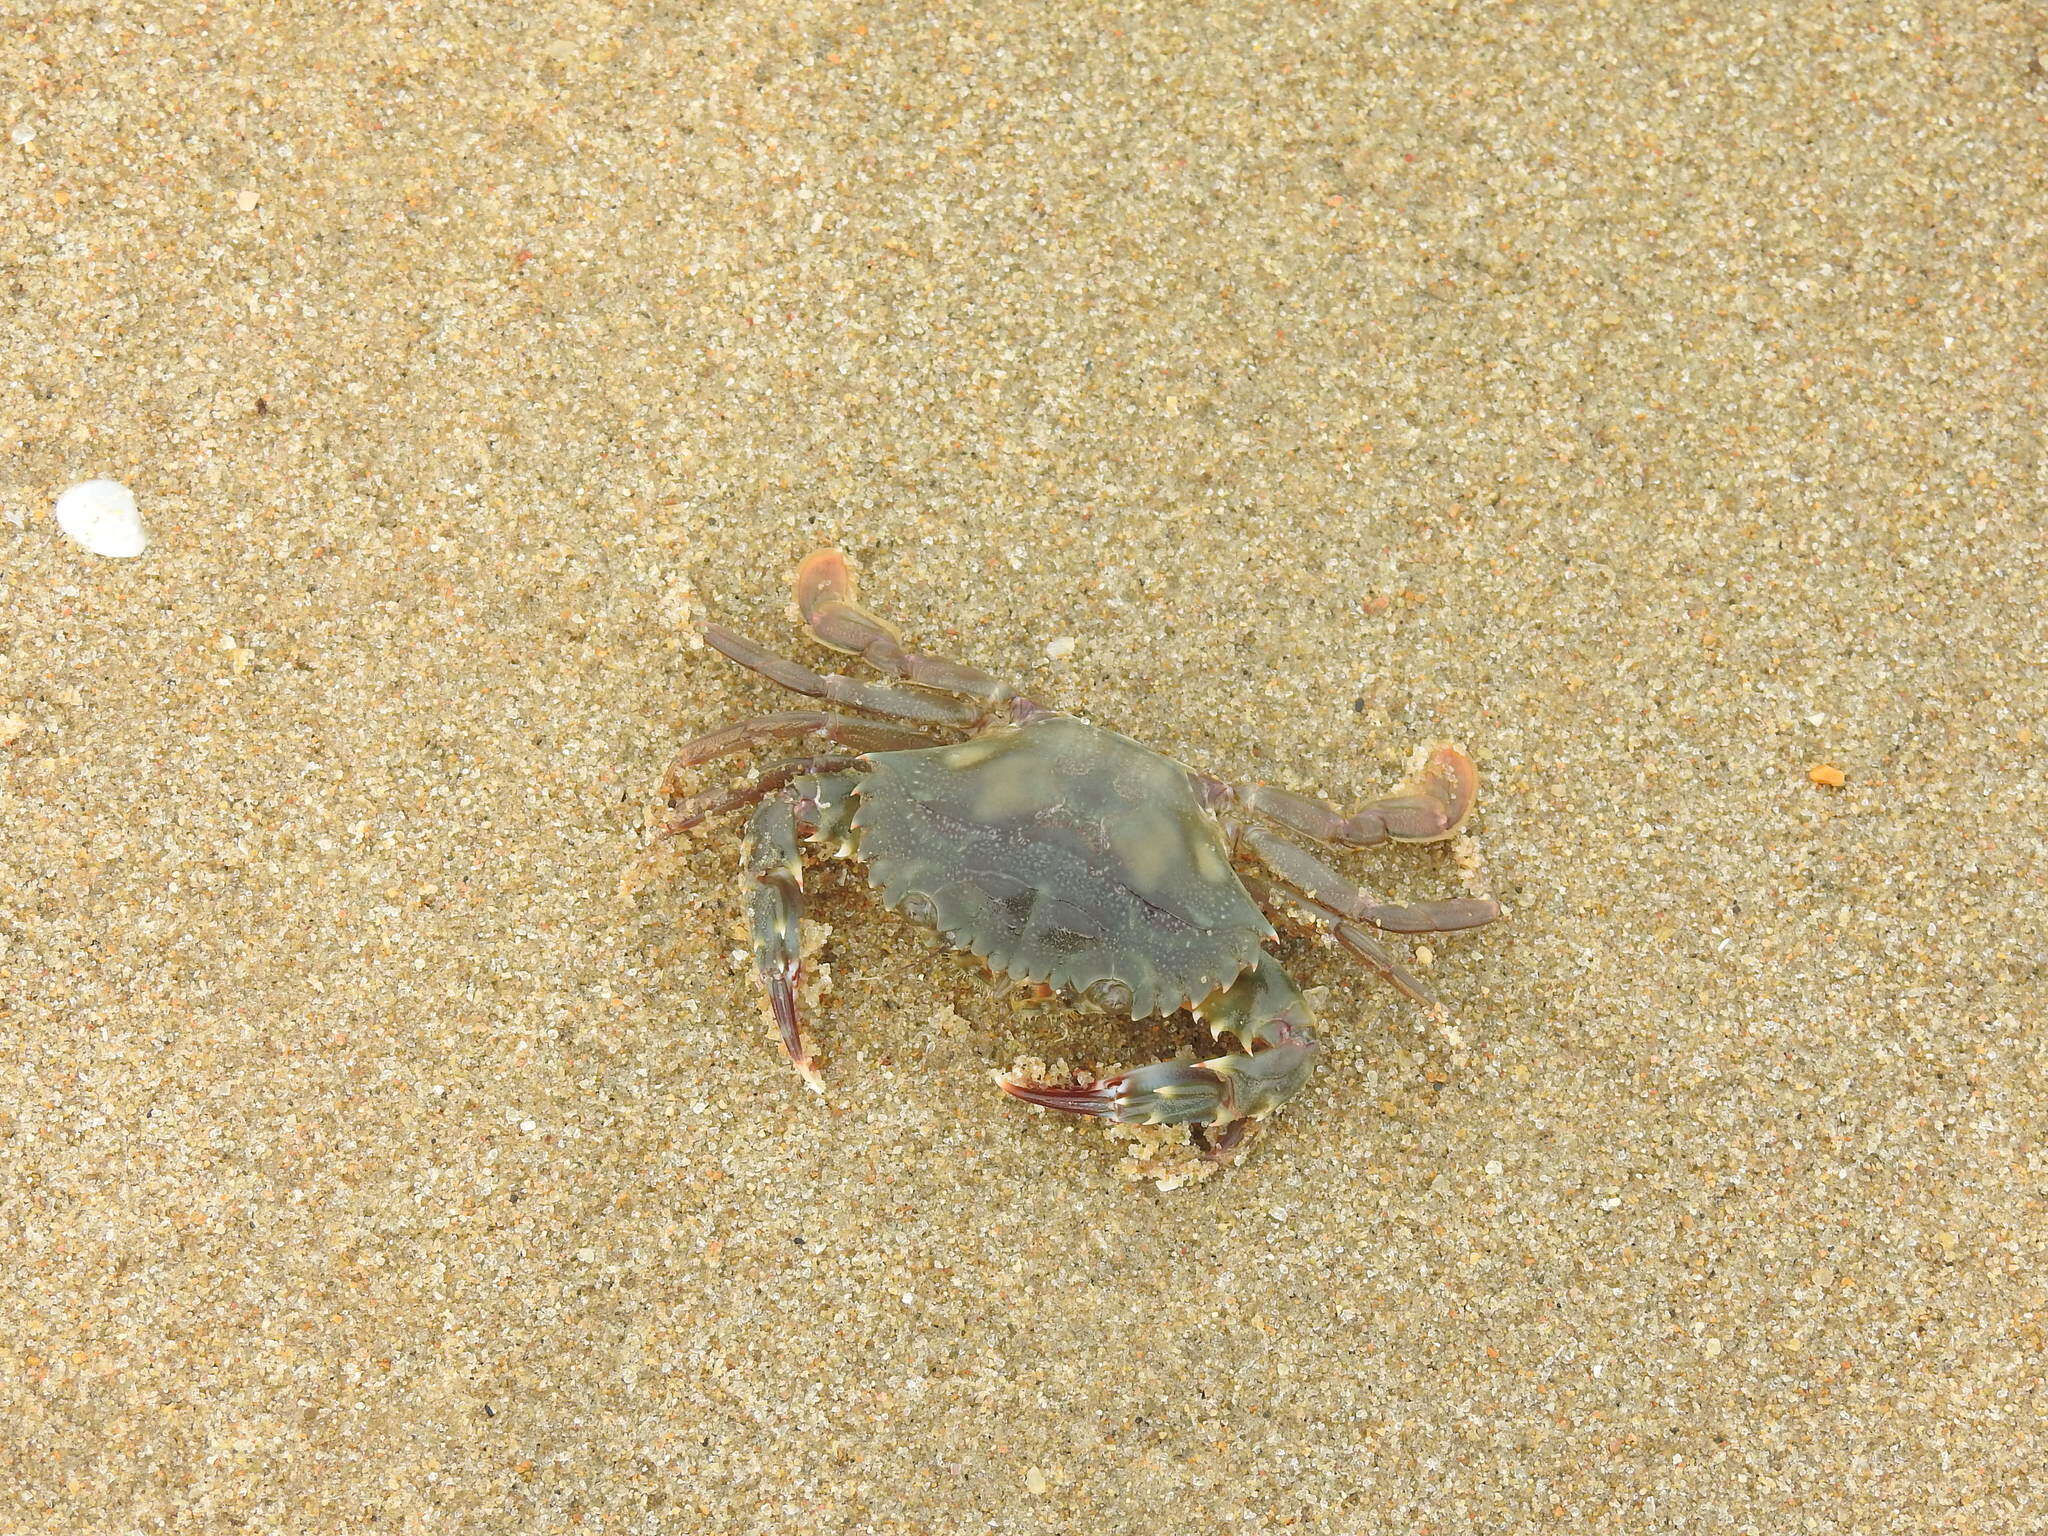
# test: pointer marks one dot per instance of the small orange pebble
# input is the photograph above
(1827, 774)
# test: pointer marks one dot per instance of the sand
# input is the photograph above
(1648, 398)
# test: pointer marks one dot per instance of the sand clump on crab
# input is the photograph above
(1071, 860)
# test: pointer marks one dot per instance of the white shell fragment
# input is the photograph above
(100, 516)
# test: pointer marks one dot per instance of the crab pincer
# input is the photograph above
(774, 877)
(1262, 1009)
(1214, 1092)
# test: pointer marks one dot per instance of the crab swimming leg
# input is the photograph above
(1428, 808)
(1266, 1014)
(825, 599)
(772, 870)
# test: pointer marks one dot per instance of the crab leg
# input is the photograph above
(772, 866)
(913, 706)
(825, 598)
(1270, 895)
(1428, 808)
(1267, 1015)
(1302, 871)
(700, 808)
(773, 872)
(839, 730)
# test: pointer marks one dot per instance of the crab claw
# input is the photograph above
(1096, 1098)
(1213, 1092)
(1171, 1093)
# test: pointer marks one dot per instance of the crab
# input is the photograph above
(1073, 861)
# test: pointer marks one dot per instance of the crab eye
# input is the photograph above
(920, 908)
(1111, 996)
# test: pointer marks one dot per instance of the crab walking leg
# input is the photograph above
(912, 706)
(1268, 1016)
(784, 725)
(1302, 871)
(1428, 808)
(1275, 897)
(825, 598)
(772, 864)
(700, 808)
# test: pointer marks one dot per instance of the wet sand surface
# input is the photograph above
(1647, 398)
